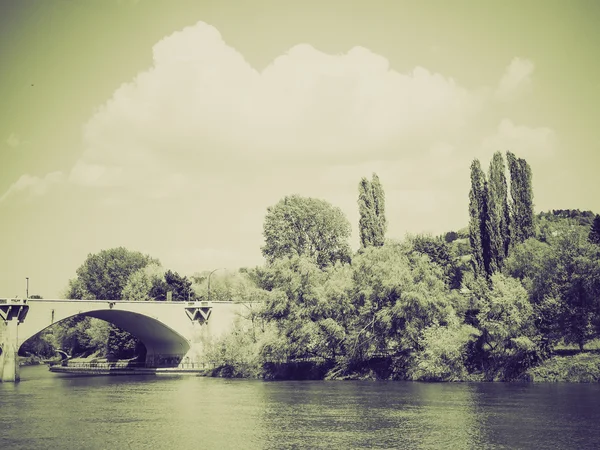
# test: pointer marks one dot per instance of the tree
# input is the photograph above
(439, 253)
(306, 227)
(180, 286)
(444, 352)
(144, 281)
(379, 205)
(397, 294)
(237, 286)
(507, 341)
(367, 223)
(522, 217)
(76, 290)
(163, 282)
(105, 274)
(371, 207)
(497, 220)
(594, 235)
(478, 233)
(562, 277)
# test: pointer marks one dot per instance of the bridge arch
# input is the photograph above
(164, 346)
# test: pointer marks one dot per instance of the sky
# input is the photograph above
(169, 127)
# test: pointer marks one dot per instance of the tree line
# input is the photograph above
(490, 301)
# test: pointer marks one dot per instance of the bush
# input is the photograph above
(581, 368)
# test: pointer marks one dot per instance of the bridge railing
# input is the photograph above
(103, 365)
(196, 365)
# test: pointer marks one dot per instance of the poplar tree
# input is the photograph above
(497, 219)
(521, 219)
(367, 223)
(594, 235)
(371, 206)
(478, 234)
(379, 206)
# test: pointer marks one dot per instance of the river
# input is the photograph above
(53, 411)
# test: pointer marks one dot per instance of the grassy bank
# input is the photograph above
(579, 368)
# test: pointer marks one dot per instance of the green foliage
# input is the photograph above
(40, 345)
(227, 286)
(371, 207)
(105, 274)
(379, 207)
(497, 220)
(397, 295)
(450, 236)
(585, 218)
(522, 216)
(180, 286)
(594, 235)
(444, 352)
(367, 224)
(478, 233)
(581, 368)
(562, 276)
(76, 290)
(143, 282)
(120, 344)
(439, 252)
(298, 306)
(507, 345)
(300, 226)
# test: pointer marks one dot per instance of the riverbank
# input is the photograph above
(580, 368)
(30, 360)
(577, 368)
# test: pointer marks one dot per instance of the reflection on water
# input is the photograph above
(48, 410)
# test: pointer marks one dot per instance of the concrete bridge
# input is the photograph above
(172, 332)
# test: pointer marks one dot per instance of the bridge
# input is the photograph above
(172, 331)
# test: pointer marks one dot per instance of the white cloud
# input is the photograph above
(35, 185)
(516, 79)
(222, 141)
(13, 141)
(202, 107)
(522, 140)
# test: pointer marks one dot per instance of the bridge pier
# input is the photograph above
(9, 359)
(12, 313)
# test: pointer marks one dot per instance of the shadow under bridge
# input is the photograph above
(164, 346)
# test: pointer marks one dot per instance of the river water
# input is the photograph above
(53, 411)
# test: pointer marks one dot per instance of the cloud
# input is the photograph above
(201, 107)
(222, 140)
(13, 141)
(523, 140)
(35, 185)
(515, 80)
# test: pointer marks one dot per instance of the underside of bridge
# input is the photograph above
(164, 346)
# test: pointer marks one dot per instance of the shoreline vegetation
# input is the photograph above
(580, 368)
(514, 296)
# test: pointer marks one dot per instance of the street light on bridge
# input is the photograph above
(27, 287)
(209, 275)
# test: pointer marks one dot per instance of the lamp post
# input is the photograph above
(209, 275)
(27, 287)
